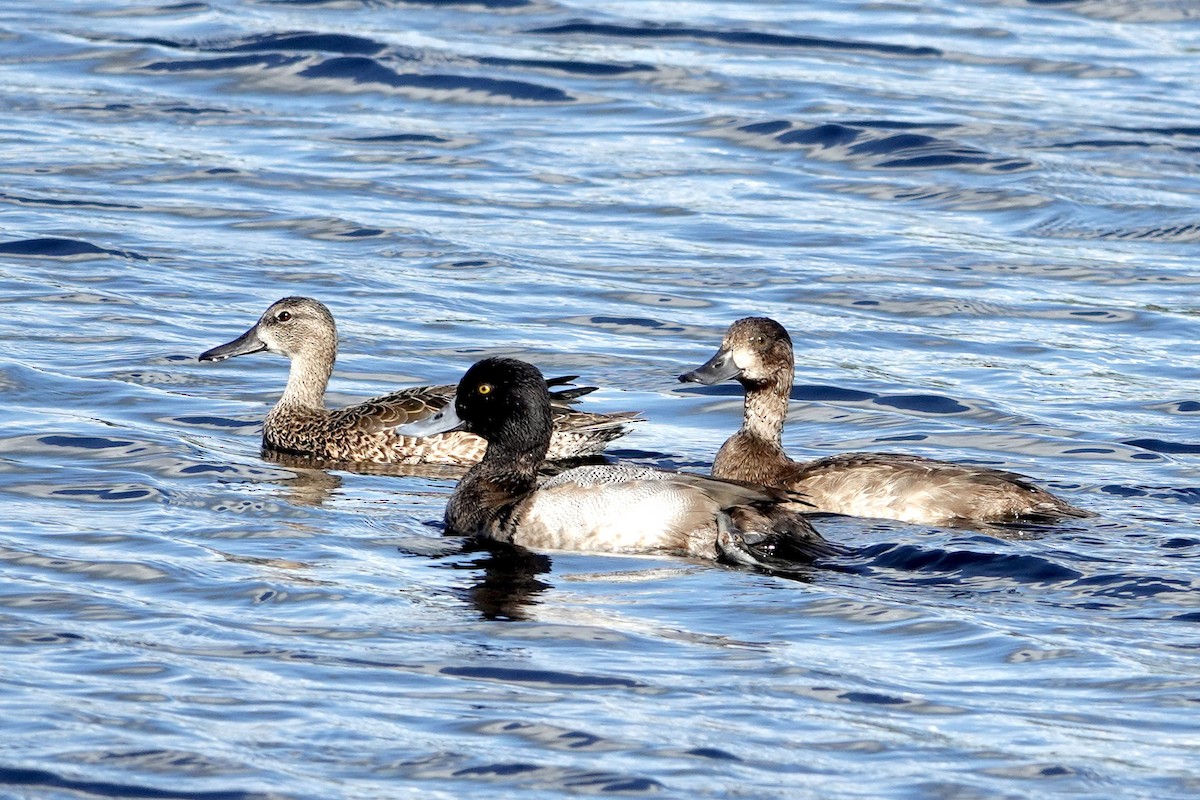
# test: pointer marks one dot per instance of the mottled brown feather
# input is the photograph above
(303, 330)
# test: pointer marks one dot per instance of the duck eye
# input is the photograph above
(484, 388)
(283, 316)
(758, 340)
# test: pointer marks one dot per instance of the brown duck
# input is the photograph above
(303, 330)
(757, 352)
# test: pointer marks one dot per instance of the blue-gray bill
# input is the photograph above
(248, 342)
(443, 421)
(718, 368)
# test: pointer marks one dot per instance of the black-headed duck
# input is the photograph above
(303, 330)
(757, 352)
(610, 508)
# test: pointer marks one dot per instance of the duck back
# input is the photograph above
(915, 489)
(366, 432)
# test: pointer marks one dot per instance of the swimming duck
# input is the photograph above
(608, 508)
(757, 352)
(303, 330)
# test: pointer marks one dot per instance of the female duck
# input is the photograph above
(757, 352)
(303, 330)
(603, 508)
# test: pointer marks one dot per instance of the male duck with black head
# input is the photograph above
(757, 352)
(303, 330)
(609, 508)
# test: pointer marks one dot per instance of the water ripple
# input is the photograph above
(878, 145)
(975, 219)
(738, 38)
(42, 780)
(67, 249)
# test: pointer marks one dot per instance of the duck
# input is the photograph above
(608, 508)
(303, 330)
(757, 353)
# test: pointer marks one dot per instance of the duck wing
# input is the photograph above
(398, 408)
(917, 489)
(771, 536)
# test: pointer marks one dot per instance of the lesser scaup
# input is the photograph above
(757, 352)
(623, 509)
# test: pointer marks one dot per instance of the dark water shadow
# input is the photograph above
(509, 584)
(42, 780)
(360, 70)
(590, 69)
(735, 37)
(872, 144)
(1164, 446)
(51, 247)
(59, 202)
(344, 44)
(346, 61)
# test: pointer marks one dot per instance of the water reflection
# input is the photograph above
(313, 480)
(509, 585)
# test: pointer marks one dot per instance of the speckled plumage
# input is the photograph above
(606, 508)
(757, 352)
(304, 330)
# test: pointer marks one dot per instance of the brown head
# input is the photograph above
(297, 327)
(301, 329)
(756, 351)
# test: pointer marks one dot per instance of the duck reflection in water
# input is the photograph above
(508, 587)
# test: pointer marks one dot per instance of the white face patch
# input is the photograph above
(744, 358)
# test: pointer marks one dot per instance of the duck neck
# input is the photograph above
(307, 380)
(515, 454)
(765, 410)
(520, 469)
(521, 464)
(485, 499)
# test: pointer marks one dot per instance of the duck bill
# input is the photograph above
(718, 368)
(247, 343)
(444, 421)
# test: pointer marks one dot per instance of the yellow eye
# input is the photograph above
(484, 388)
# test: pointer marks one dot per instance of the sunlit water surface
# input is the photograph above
(978, 220)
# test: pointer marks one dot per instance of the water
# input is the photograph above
(978, 220)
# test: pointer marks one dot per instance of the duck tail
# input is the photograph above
(1061, 508)
(770, 537)
(565, 398)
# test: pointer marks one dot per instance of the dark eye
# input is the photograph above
(484, 388)
(758, 341)
(283, 316)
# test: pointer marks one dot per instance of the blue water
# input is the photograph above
(978, 219)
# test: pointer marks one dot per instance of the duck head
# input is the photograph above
(755, 351)
(295, 327)
(502, 400)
